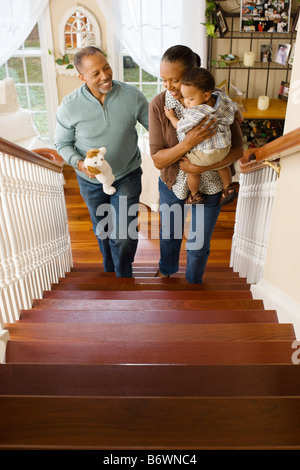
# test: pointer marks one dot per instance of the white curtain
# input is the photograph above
(17, 19)
(146, 28)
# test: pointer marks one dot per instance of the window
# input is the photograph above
(27, 69)
(78, 28)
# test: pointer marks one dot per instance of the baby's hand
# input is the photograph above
(239, 116)
(170, 113)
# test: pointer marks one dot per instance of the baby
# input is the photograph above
(201, 100)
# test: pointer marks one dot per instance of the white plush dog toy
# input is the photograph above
(96, 164)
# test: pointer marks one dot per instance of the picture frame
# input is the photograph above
(223, 86)
(266, 53)
(265, 16)
(291, 58)
(221, 23)
(296, 21)
(282, 53)
(284, 89)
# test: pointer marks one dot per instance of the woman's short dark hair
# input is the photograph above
(84, 52)
(199, 78)
(183, 54)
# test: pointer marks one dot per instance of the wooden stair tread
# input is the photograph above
(97, 267)
(151, 304)
(148, 380)
(142, 294)
(108, 278)
(150, 332)
(111, 286)
(111, 422)
(149, 316)
(96, 270)
(201, 353)
(150, 274)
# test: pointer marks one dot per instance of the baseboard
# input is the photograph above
(288, 310)
(4, 337)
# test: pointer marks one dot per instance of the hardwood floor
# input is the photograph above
(85, 247)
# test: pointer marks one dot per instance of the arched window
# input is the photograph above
(78, 28)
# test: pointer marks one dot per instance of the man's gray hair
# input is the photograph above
(85, 52)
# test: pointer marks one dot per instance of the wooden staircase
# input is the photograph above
(149, 363)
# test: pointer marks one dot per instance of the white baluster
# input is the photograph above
(253, 214)
(27, 230)
(56, 227)
(45, 209)
(62, 233)
(9, 311)
(42, 229)
(16, 210)
(33, 231)
(7, 226)
(15, 166)
(65, 227)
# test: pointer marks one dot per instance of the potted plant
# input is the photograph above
(213, 14)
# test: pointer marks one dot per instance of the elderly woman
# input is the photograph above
(168, 155)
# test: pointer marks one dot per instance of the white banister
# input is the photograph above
(4, 337)
(252, 222)
(35, 247)
(260, 169)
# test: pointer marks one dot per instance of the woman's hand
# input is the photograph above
(186, 166)
(201, 132)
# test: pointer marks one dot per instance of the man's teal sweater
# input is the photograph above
(83, 124)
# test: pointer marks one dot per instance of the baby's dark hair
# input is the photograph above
(183, 54)
(199, 78)
(84, 52)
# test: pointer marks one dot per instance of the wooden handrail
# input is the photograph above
(44, 157)
(253, 158)
(50, 154)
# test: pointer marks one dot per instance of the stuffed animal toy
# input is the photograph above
(96, 164)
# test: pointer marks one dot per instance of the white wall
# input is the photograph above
(279, 287)
(282, 268)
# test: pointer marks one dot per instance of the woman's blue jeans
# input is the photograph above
(173, 213)
(115, 220)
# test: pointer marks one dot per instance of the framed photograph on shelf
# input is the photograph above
(223, 86)
(265, 16)
(222, 26)
(266, 53)
(291, 58)
(296, 22)
(282, 54)
(284, 91)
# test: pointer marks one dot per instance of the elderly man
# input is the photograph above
(103, 113)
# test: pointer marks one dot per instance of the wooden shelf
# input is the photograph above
(265, 66)
(276, 110)
(251, 37)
